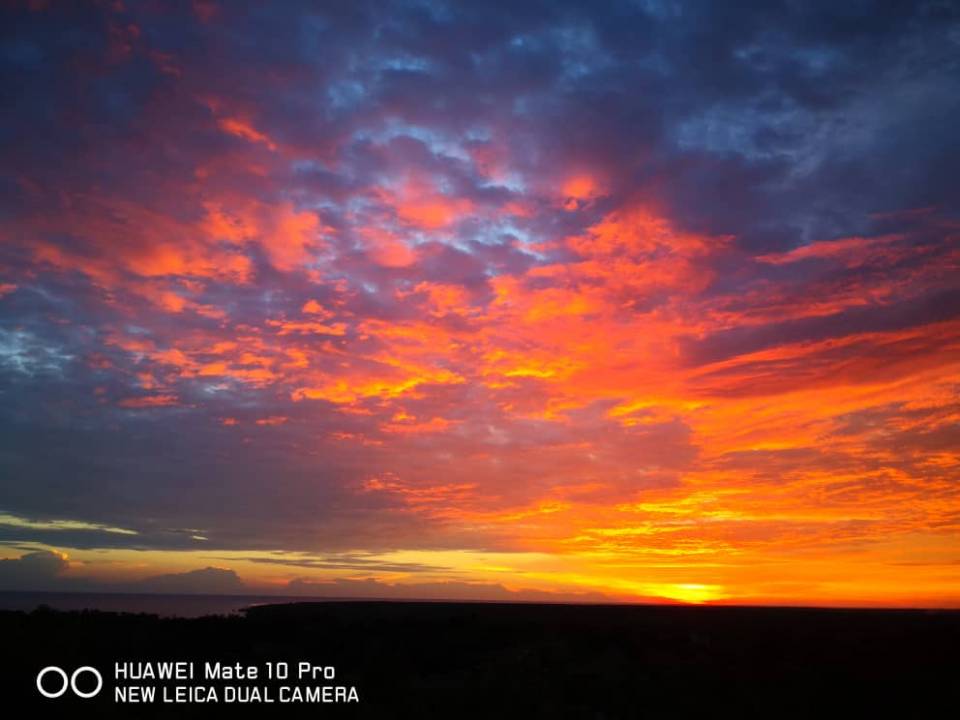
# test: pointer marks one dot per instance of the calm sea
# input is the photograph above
(165, 605)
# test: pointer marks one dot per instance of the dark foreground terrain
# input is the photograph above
(454, 660)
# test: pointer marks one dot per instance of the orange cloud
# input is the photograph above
(149, 401)
(417, 203)
(579, 190)
(242, 129)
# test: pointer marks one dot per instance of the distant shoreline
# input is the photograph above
(194, 605)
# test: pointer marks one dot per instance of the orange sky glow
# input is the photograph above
(388, 352)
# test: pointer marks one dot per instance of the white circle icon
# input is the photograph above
(70, 682)
(73, 681)
(61, 673)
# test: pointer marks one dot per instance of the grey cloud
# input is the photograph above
(38, 570)
(209, 580)
(447, 590)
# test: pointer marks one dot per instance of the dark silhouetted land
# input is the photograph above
(454, 660)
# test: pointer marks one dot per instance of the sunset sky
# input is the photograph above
(639, 300)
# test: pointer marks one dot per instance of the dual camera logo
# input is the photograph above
(54, 688)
